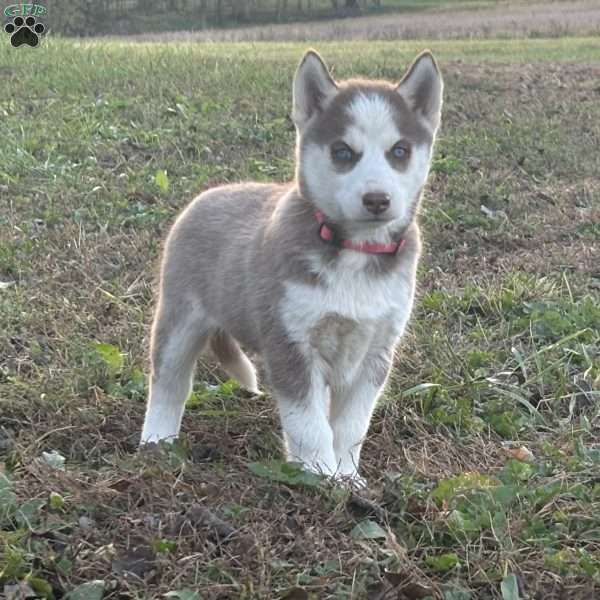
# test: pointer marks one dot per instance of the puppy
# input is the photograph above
(317, 275)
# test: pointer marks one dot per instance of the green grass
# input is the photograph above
(483, 456)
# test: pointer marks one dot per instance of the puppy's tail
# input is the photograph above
(234, 361)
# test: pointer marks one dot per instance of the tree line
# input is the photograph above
(87, 17)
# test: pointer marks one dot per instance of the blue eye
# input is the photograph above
(342, 153)
(399, 151)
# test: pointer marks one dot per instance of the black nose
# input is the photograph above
(376, 202)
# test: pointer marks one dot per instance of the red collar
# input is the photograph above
(329, 235)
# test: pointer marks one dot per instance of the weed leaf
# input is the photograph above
(91, 590)
(7, 496)
(448, 488)
(41, 587)
(111, 356)
(56, 501)
(28, 513)
(290, 473)
(442, 563)
(457, 594)
(183, 595)
(510, 588)
(368, 530)
(162, 180)
(419, 389)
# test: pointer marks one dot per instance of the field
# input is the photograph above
(118, 17)
(483, 458)
(121, 17)
(407, 20)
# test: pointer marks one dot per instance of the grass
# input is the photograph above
(483, 457)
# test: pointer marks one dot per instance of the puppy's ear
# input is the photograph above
(422, 87)
(313, 86)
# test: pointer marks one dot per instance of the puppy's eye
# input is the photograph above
(342, 153)
(400, 151)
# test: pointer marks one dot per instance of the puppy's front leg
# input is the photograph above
(352, 405)
(308, 435)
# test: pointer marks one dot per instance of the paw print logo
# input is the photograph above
(25, 31)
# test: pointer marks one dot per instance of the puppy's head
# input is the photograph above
(364, 147)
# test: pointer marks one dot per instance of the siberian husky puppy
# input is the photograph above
(317, 275)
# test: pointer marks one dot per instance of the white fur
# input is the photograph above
(348, 293)
(351, 410)
(340, 195)
(170, 390)
(165, 411)
(372, 121)
(307, 432)
(243, 370)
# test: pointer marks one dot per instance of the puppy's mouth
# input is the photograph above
(368, 225)
(376, 220)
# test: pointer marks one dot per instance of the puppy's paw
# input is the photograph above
(251, 392)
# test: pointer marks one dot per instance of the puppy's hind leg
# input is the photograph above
(179, 333)
(234, 361)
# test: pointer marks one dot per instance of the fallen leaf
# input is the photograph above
(138, 561)
(366, 505)
(416, 590)
(198, 515)
(19, 591)
(522, 453)
(85, 522)
(295, 593)
(54, 459)
(493, 214)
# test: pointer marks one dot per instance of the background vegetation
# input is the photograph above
(86, 17)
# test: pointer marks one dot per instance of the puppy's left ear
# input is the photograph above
(422, 87)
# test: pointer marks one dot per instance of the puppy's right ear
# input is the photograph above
(313, 85)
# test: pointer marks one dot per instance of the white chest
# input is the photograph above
(340, 318)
